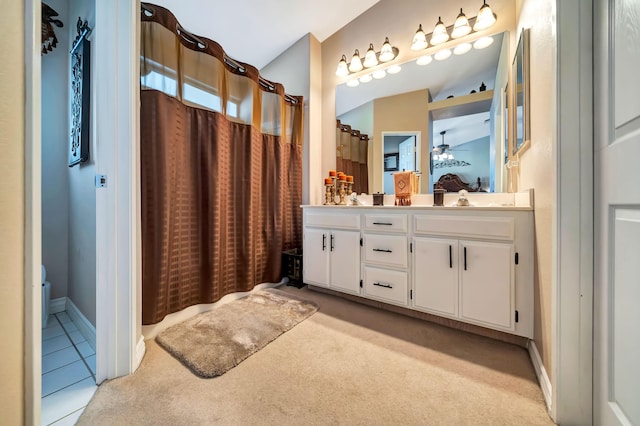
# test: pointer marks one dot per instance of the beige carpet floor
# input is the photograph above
(348, 364)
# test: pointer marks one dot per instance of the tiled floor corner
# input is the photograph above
(68, 371)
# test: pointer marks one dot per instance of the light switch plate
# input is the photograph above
(101, 181)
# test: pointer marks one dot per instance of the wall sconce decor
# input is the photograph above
(461, 27)
(371, 59)
(48, 37)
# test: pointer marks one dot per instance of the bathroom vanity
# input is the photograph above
(470, 264)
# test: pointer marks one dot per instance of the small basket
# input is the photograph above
(292, 266)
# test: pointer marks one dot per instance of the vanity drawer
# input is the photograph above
(386, 284)
(386, 249)
(493, 228)
(345, 220)
(385, 223)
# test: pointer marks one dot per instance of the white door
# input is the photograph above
(344, 247)
(435, 275)
(315, 252)
(616, 363)
(407, 150)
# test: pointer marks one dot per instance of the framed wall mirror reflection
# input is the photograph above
(521, 110)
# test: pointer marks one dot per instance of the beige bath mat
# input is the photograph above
(214, 342)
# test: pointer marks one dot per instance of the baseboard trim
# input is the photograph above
(84, 326)
(57, 305)
(541, 373)
(152, 330)
(141, 349)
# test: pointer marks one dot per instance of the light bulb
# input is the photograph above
(442, 55)
(366, 78)
(450, 156)
(379, 74)
(419, 40)
(356, 63)
(370, 59)
(395, 69)
(440, 34)
(342, 69)
(461, 26)
(461, 49)
(424, 60)
(386, 52)
(353, 83)
(483, 42)
(485, 18)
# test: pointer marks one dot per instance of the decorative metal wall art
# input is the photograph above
(80, 95)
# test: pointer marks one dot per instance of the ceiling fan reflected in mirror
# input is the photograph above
(442, 152)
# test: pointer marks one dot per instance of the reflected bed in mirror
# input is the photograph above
(404, 103)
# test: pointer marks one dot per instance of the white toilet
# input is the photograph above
(46, 297)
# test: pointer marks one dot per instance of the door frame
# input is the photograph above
(33, 214)
(119, 341)
(572, 282)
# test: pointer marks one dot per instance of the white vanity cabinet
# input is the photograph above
(466, 266)
(487, 283)
(472, 265)
(435, 275)
(386, 257)
(332, 255)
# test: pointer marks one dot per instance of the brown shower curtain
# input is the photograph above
(221, 170)
(352, 150)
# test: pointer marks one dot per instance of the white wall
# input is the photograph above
(55, 142)
(298, 69)
(82, 197)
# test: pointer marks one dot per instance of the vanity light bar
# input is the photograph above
(371, 59)
(462, 27)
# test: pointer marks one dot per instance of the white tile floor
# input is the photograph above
(68, 371)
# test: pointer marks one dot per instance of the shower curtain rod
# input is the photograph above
(228, 60)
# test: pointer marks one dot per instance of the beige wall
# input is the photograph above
(407, 112)
(398, 21)
(537, 168)
(12, 107)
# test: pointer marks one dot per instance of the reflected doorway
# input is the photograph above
(400, 153)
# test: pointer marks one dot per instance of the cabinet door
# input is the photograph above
(486, 283)
(344, 247)
(315, 269)
(435, 275)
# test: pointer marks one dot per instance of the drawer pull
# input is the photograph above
(450, 258)
(331, 243)
(324, 241)
(383, 250)
(383, 285)
(383, 223)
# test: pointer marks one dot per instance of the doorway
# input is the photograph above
(401, 152)
(119, 342)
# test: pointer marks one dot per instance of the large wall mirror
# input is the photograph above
(522, 127)
(425, 101)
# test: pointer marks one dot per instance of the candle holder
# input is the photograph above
(342, 184)
(334, 189)
(329, 195)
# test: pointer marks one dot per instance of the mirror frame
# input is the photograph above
(521, 59)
